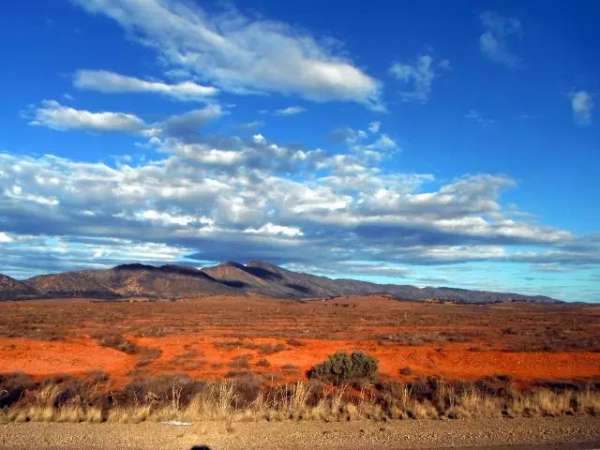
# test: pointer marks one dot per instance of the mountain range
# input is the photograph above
(230, 278)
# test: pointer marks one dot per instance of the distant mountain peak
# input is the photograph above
(229, 278)
(11, 288)
(264, 264)
(134, 266)
(233, 264)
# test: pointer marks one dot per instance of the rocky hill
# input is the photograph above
(11, 288)
(129, 280)
(231, 278)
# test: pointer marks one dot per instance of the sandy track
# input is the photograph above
(560, 433)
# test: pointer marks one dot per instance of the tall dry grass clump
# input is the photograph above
(251, 398)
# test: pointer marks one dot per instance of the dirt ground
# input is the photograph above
(542, 433)
(214, 337)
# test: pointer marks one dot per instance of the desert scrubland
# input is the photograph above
(248, 358)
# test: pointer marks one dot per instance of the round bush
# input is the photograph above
(343, 367)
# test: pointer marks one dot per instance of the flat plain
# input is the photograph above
(217, 336)
(232, 372)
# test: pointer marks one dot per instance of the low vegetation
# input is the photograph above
(249, 397)
(118, 342)
(262, 345)
(342, 368)
(513, 328)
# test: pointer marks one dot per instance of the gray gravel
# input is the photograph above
(546, 433)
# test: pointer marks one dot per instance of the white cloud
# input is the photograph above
(374, 127)
(252, 125)
(417, 78)
(259, 139)
(110, 82)
(384, 142)
(498, 32)
(164, 217)
(276, 230)
(227, 197)
(5, 238)
(53, 115)
(239, 54)
(249, 201)
(347, 135)
(257, 196)
(365, 148)
(16, 192)
(184, 126)
(42, 253)
(256, 154)
(458, 252)
(475, 116)
(582, 105)
(290, 111)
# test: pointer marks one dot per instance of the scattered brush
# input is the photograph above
(269, 349)
(118, 342)
(353, 393)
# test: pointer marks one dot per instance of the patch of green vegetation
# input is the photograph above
(343, 367)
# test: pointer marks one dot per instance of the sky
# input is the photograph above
(430, 143)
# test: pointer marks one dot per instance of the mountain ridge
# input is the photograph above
(229, 278)
(10, 287)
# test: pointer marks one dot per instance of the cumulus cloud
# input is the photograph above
(582, 105)
(365, 147)
(259, 199)
(110, 82)
(239, 54)
(274, 230)
(347, 135)
(257, 153)
(184, 127)
(417, 78)
(16, 192)
(290, 111)
(384, 142)
(54, 115)
(374, 126)
(5, 238)
(498, 32)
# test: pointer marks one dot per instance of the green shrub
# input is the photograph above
(342, 367)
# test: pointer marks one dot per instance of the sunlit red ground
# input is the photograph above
(215, 337)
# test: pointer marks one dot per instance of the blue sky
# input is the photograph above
(430, 143)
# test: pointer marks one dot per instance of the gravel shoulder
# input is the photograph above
(544, 433)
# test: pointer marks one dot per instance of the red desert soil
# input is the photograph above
(217, 336)
(40, 358)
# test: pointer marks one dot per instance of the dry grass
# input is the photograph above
(89, 399)
(281, 341)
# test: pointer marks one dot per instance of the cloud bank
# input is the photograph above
(218, 199)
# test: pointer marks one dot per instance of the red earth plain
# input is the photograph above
(218, 336)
